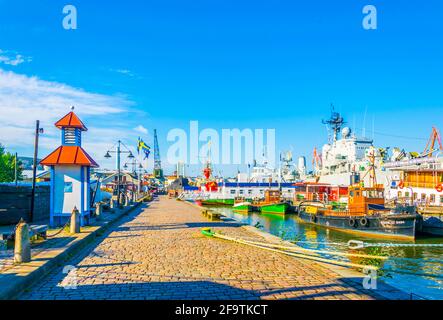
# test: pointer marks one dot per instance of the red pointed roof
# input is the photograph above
(69, 155)
(71, 121)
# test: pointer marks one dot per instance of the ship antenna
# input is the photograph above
(373, 128)
(364, 122)
(336, 122)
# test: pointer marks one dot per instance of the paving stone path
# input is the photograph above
(159, 253)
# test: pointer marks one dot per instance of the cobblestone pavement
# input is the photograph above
(159, 253)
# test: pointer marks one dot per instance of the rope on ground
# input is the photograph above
(356, 244)
(266, 246)
(344, 244)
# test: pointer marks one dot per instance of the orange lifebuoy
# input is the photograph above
(439, 187)
(401, 184)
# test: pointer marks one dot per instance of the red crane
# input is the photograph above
(435, 137)
(316, 160)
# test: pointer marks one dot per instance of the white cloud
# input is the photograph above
(25, 99)
(141, 129)
(13, 58)
(125, 72)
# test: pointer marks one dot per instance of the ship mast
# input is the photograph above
(335, 122)
(371, 170)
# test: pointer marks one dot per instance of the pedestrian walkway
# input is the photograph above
(159, 253)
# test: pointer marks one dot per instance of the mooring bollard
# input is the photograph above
(22, 247)
(75, 221)
(98, 210)
(126, 203)
(112, 204)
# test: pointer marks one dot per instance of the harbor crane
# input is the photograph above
(158, 171)
(430, 146)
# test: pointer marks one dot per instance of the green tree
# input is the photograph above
(7, 166)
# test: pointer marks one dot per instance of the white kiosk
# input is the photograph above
(70, 172)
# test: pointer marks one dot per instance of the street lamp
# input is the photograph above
(136, 169)
(118, 151)
(38, 131)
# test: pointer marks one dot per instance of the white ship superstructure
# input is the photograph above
(346, 158)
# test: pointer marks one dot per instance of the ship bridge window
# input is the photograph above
(249, 191)
(441, 199)
(432, 198)
(407, 194)
(242, 191)
(374, 194)
(232, 191)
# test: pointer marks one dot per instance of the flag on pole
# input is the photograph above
(142, 146)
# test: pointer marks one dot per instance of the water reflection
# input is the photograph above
(413, 269)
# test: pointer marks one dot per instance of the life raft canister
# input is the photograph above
(439, 187)
(401, 184)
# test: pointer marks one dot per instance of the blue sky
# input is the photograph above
(227, 64)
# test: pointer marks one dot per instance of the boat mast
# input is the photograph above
(371, 170)
(335, 122)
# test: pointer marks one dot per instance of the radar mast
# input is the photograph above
(335, 122)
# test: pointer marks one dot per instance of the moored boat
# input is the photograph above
(241, 204)
(273, 203)
(365, 215)
(217, 202)
(279, 208)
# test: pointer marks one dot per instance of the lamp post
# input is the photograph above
(137, 171)
(15, 169)
(38, 131)
(119, 151)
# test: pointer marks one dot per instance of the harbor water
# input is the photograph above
(417, 270)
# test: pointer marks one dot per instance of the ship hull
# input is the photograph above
(276, 208)
(217, 202)
(243, 208)
(400, 227)
(432, 225)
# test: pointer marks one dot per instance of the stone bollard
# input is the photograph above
(98, 210)
(112, 204)
(126, 203)
(122, 200)
(22, 248)
(75, 221)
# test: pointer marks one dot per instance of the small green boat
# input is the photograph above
(279, 208)
(217, 202)
(273, 203)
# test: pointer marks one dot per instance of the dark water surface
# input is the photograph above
(417, 270)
